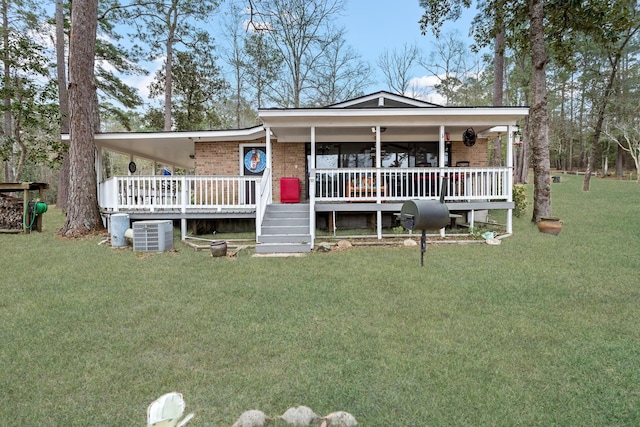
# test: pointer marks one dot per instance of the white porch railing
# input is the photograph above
(263, 199)
(181, 193)
(397, 184)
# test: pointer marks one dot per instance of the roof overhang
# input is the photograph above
(289, 125)
(169, 148)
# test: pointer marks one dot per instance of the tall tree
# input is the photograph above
(63, 100)
(197, 84)
(301, 31)
(539, 115)
(627, 136)
(235, 55)
(163, 24)
(520, 13)
(22, 64)
(83, 215)
(29, 108)
(340, 74)
(449, 62)
(112, 62)
(498, 81)
(396, 67)
(263, 64)
(612, 32)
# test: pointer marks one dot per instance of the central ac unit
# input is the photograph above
(152, 236)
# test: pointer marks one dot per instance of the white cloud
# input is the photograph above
(141, 83)
(423, 88)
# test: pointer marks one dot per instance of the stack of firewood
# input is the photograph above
(11, 212)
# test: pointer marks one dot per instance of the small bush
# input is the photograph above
(519, 195)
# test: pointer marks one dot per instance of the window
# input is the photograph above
(363, 155)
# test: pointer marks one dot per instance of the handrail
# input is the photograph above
(263, 199)
(398, 184)
(178, 192)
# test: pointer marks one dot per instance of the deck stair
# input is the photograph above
(285, 229)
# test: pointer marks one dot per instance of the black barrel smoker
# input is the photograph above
(425, 215)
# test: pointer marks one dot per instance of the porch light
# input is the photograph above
(517, 136)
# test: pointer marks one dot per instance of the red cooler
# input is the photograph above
(289, 190)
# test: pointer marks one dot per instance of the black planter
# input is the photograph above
(218, 248)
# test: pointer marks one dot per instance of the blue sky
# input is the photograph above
(375, 25)
(371, 27)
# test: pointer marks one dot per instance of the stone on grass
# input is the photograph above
(410, 242)
(324, 247)
(339, 419)
(344, 244)
(252, 418)
(300, 416)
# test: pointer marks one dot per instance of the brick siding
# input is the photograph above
(223, 159)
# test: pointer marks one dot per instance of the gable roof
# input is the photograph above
(404, 119)
(383, 99)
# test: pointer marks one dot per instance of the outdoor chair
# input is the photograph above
(462, 164)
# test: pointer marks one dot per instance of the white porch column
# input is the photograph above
(441, 148)
(269, 159)
(268, 142)
(99, 173)
(510, 134)
(441, 164)
(379, 182)
(312, 187)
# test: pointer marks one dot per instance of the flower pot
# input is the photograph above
(218, 248)
(550, 225)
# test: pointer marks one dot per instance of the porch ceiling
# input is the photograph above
(402, 124)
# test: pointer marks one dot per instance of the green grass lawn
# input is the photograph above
(540, 330)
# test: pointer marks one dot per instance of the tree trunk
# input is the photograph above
(9, 176)
(168, 78)
(602, 108)
(539, 116)
(619, 161)
(63, 177)
(168, 88)
(83, 214)
(498, 85)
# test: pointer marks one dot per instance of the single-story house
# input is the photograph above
(305, 167)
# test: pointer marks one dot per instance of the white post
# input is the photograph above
(441, 165)
(378, 182)
(441, 148)
(98, 167)
(312, 187)
(269, 160)
(510, 132)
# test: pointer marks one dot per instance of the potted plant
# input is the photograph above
(550, 225)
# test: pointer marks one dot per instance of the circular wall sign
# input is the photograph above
(255, 160)
(132, 167)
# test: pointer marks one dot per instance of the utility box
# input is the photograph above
(152, 236)
(289, 190)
